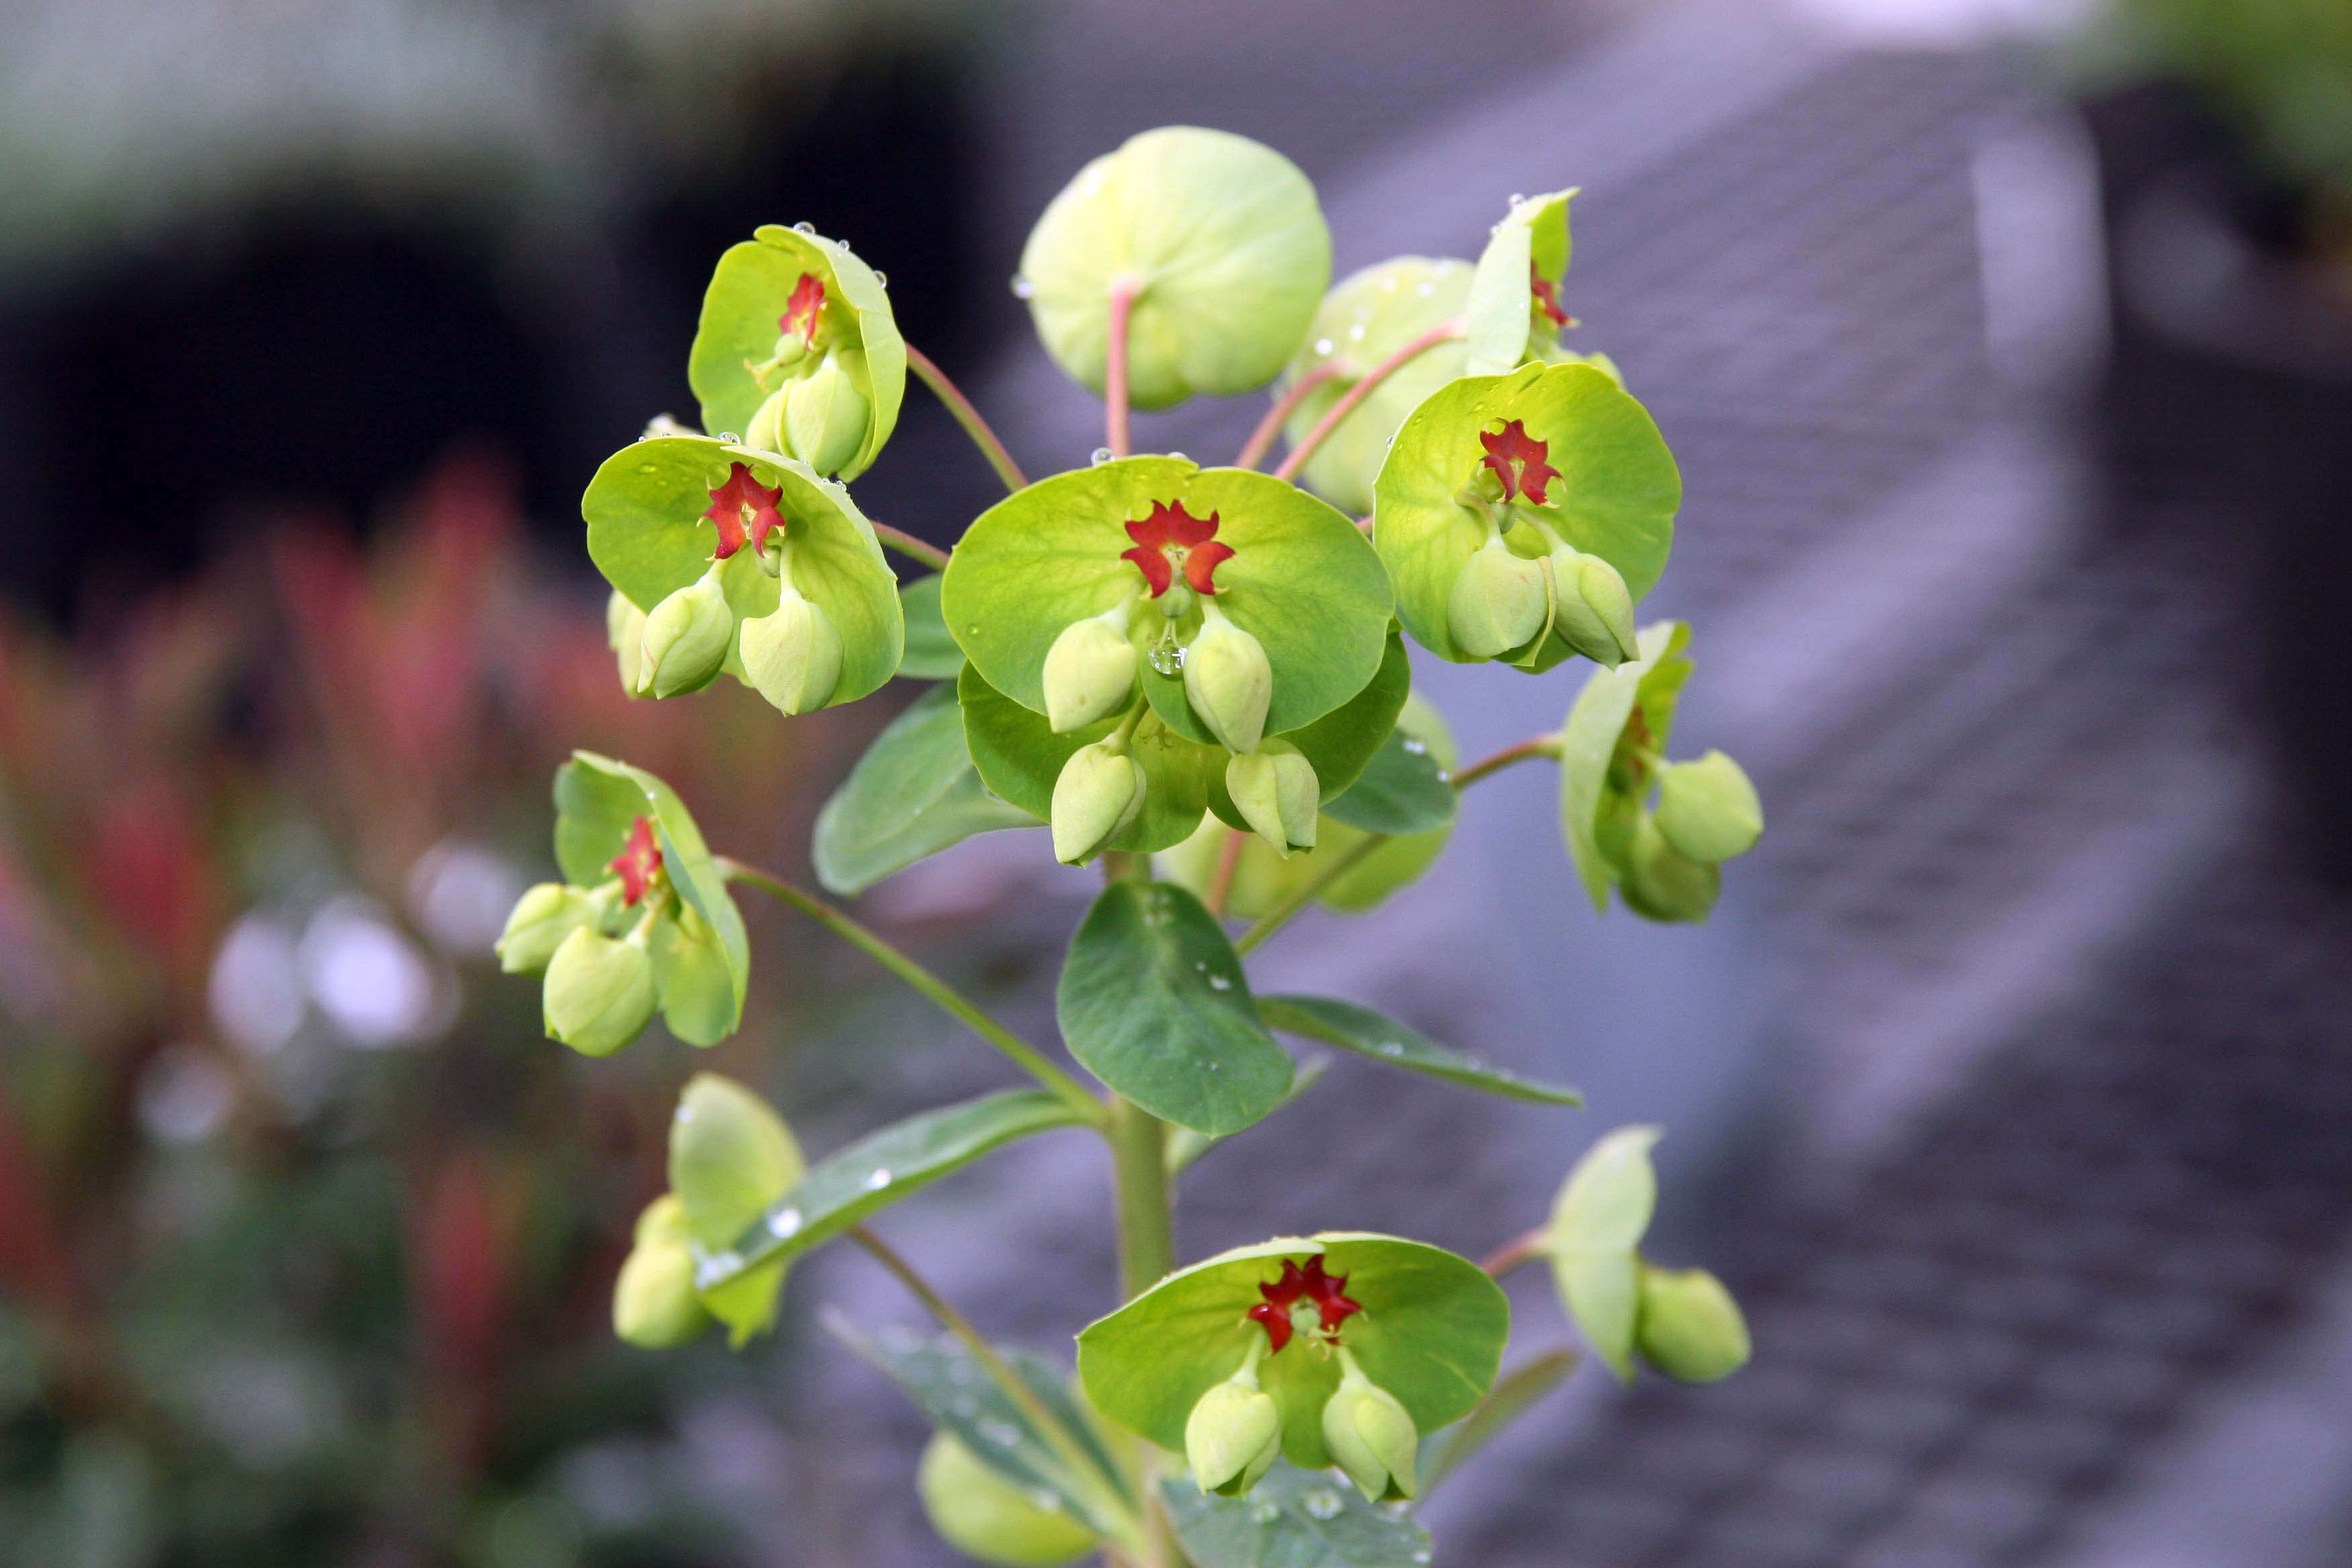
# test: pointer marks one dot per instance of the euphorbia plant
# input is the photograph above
(1196, 677)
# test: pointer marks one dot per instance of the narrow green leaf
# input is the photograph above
(932, 654)
(883, 1167)
(1402, 790)
(1383, 1039)
(957, 1395)
(1295, 1519)
(913, 794)
(1152, 1002)
(1513, 1394)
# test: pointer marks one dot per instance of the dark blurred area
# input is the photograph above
(2007, 350)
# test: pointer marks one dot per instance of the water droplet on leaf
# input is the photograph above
(1220, 982)
(1322, 1503)
(784, 1224)
(1003, 1433)
(878, 1181)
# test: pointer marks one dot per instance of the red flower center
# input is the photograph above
(1517, 460)
(801, 310)
(743, 509)
(1309, 1284)
(1547, 294)
(638, 863)
(1171, 540)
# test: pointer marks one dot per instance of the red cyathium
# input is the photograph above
(801, 310)
(638, 863)
(743, 509)
(1171, 539)
(1547, 294)
(1311, 1284)
(1517, 460)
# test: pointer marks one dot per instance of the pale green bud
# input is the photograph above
(1593, 612)
(1089, 672)
(1661, 883)
(684, 639)
(624, 630)
(654, 1304)
(1372, 1436)
(826, 418)
(1707, 809)
(599, 993)
(987, 1517)
(1278, 795)
(793, 655)
(1691, 1329)
(540, 919)
(1228, 681)
(1231, 1436)
(1499, 602)
(766, 431)
(1099, 792)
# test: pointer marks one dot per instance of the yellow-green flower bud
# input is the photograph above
(1228, 681)
(654, 1304)
(793, 655)
(1593, 612)
(1232, 1436)
(599, 993)
(1372, 1436)
(1499, 602)
(539, 921)
(766, 431)
(684, 639)
(1090, 671)
(826, 418)
(1278, 795)
(1707, 809)
(987, 1517)
(624, 630)
(1661, 883)
(1099, 792)
(1691, 1329)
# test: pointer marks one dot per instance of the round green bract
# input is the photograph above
(1370, 316)
(1222, 239)
(740, 313)
(1302, 580)
(1432, 1333)
(1594, 1239)
(647, 535)
(1532, 238)
(1589, 741)
(1616, 495)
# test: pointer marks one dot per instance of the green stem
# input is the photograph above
(1254, 450)
(949, 1000)
(1441, 333)
(968, 416)
(914, 549)
(1147, 1253)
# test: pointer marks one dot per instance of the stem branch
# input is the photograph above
(1524, 1248)
(914, 549)
(982, 436)
(1254, 450)
(1441, 333)
(1524, 751)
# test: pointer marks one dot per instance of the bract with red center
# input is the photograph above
(1586, 468)
(791, 282)
(1369, 316)
(1516, 309)
(1424, 1324)
(1166, 538)
(662, 510)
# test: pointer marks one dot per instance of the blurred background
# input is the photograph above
(2007, 349)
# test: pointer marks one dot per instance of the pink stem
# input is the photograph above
(1123, 289)
(1441, 333)
(1254, 449)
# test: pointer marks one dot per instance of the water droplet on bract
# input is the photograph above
(878, 1181)
(1265, 1513)
(1023, 289)
(1221, 983)
(784, 1224)
(1324, 345)
(1416, 748)
(1003, 1433)
(684, 1114)
(805, 227)
(1516, 198)
(1101, 456)
(1426, 289)
(1355, 332)
(1323, 1503)
(729, 436)
(1180, 456)
(1167, 658)
(882, 277)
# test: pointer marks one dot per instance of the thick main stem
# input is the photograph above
(1123, 290)
(1147, 1253)
(1356, 394)
(978, 428)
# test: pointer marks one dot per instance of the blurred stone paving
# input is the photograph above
(2005, 1088)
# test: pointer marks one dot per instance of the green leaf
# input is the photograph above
(956, 1394)
(1185, 1146)
(913, 794)
(647, 535)
(1616, 495)
(1019, 757)
(881, 1168)
(1595, 1231)
(1301, 580)
(1587, 742)
(597, 800)
(1515, 1392)
(1153, 1002)
(1431, 1332)
(1294, 1518)
(1383, 1039)
(1369, 316)
(749, 291)
(932, 654)
(1531, 240)
(1402, 790)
